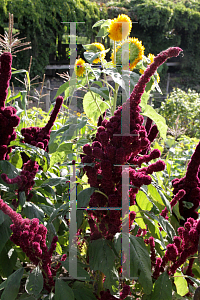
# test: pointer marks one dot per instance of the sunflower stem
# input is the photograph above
(115, 98)
(114, 52)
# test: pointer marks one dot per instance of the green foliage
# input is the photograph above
(184, 106)
(164, 23)
(98, 261)
(40, 21)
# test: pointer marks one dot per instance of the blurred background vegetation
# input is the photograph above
(159, 24)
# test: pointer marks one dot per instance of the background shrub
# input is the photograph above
(185, 105)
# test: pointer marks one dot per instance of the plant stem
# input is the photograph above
(100, 283)
(109, 85)
(115, 98)
(114, 52)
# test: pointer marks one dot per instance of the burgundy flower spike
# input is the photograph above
(31, 237)
(8, 117)
(111, 149)
(40, 137)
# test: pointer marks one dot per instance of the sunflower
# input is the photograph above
(136, 52)
(97, 47)
(117, 31)
(79, 67)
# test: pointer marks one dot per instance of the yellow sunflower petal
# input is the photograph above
(151, 57)
(120, 28)
(79, 67)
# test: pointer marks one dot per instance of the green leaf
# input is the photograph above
(158, 119)
(83, 197)
(103, 32)
(62, 89)
(63, 291)
(140, 263)
(8, 258)
(139, 220)
(32, 211)
(82, 123)
(143, 202)
(82, 142)
(83, 200)
(54, 181)
(3, 285)
(13, 97)
(116, 77)
(36, 154)
(16, 159)
(91, 56)
(101, 257)
(144, 99)
(58, 248)
(22, 198)
(66, 147)
(83, 293)
(155, 232)
(1, 217)
(81, 273)
(102, 23)
(27, 297)
(103, 93)
(90, 107)
(56, 133)
(68, 134)
(13, 284)
(60, 211)
(46, 209)
(98, 23)
(176, 211)
(158, 195)
(180, 283)
(165, 201)
(7, 168)
(5, 231)
(162, 288)
(146, 297)
(34, 282)
(167, 227)
(150, 85)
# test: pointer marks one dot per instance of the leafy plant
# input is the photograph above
(66, 225)
(184, 106)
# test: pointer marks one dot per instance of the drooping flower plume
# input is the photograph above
(190, 183)
(40, 137)
(151, 58)
(184, 245)
(30, 236)
(25, 180)
(110, 150)
(8, 117)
